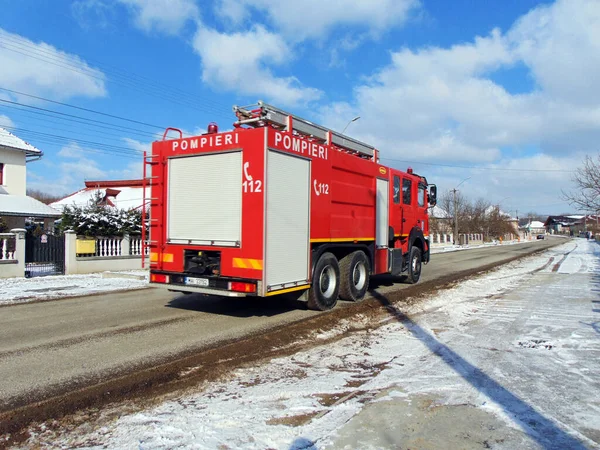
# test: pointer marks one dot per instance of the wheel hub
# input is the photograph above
(327, 281)
(359, 275)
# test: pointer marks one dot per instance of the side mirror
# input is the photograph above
(432, 195)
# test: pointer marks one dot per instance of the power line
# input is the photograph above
(71, 139)
(479, 168)
(16, 109)
(82, 109)
(32, 48)
(39, 54)
(57, 141)
(94, 133)
(63, 114)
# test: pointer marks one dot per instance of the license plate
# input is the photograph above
(196, 281)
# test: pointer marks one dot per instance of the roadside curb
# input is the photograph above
(130, 276)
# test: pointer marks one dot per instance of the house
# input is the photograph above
(531, 227)
(121, 194)
(15, 205)
(563, 224)
(440, 221)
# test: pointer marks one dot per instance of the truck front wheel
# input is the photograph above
(414, 265)
(323, 293)
(354, 276)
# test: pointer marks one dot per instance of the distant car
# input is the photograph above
(541, 236)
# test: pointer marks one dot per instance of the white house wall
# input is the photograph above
(15, 172)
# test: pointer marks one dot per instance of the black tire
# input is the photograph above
(323, 294)
(355, 271)
(414, 265)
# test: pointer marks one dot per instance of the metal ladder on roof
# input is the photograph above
(269, 114)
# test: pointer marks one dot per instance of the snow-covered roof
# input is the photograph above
(122, 194)
(536, 224)
(438, 213)
(24, 206)
(7, 139)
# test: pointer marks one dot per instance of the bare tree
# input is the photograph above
(498, 223)
(42, 196)
(531, 216)
(587, 186)
(454, 208)
(476, 216)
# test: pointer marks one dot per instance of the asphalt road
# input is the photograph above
(49, 347)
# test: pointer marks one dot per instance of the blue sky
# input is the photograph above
(502, 92)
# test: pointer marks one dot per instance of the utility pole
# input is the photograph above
(456, 210)
(455, 216)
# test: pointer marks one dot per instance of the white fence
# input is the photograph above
(82, 255)
(7, 247)
(99, 254)
(107, 247)
(438, 239)
(12, 253)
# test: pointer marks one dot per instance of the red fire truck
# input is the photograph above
(278, 205)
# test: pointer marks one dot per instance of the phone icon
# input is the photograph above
(246, 174)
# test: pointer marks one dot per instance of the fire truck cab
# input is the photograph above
(279, 204)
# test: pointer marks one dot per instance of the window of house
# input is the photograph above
(406, 191)
(1, 174)
(421, 196)
(396, 189)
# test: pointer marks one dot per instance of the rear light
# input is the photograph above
(159, 278)
(238, 286)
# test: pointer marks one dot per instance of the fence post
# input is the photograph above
(20, 248)
(70, 252)
(126, 245)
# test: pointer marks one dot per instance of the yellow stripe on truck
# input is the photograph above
(247, 263)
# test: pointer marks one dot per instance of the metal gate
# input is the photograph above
(44, 254)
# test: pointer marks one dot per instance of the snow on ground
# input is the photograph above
(21, 290)
(519, 347)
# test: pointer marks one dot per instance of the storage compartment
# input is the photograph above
(205, 199)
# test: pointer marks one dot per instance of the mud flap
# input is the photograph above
(398, 261)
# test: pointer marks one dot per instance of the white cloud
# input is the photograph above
(67, 172)
(94, 13)
(138, 145)
(442, 104)
(560, 43)
(5, 121)
(43, 70)
(167, 16)
(232, 12)
(71, 150)
(131, 171)
(84, 168)
(316, 18)
(240, 61)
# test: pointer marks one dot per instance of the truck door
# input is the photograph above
(422, 208)
(409, 212)
(396, 205)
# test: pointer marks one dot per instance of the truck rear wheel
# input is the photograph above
(414, 265)
(323, 293)
(354, 276)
